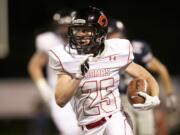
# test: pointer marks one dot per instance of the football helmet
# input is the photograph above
(61, 20)
(116, 26)
(88, 30)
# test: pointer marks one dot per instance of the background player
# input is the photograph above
(88, 74)
(64, 118)
(143, 56)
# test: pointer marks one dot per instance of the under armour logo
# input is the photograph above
(112, 58)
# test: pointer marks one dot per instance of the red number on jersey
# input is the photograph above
(100, 97)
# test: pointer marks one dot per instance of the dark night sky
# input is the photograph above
(157, 23)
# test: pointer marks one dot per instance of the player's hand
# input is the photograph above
(84, 67)
(45, 91)
(150, 102)
(171, 102)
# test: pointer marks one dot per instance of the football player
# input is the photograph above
(88, 75)
(143, 56)
(62, 117)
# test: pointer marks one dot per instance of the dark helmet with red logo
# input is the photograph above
(93, 22)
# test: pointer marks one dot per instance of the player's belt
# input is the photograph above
(97, 123)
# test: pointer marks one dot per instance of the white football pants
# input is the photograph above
(65, 119)
(116, 125)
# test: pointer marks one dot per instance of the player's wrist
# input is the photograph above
(78, 76)
(44, 89)
(42, 84)
(155, 101)
(83, 67)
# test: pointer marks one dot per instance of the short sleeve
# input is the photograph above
(54, 62)
(123, 48)
(46, 41)
(130, 54)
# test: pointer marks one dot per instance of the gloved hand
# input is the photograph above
(45, 91)
(171, 102)
(150, 102)
(84, 67)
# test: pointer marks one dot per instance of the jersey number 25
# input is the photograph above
(100, 97)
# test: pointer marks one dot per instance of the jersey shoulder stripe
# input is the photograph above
(54, 59)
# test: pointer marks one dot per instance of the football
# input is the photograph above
(137, 85)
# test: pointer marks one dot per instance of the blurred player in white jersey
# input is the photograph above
(143, 121)
(64, 118)
(88, 75)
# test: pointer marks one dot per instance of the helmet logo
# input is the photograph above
(79, 21)
(103, 21)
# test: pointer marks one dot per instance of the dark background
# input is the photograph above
(156, 22)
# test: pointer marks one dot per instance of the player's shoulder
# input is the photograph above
(141, 47)
(56, 51)
(118, 45)
(46, 40)
(139, 44)
(118, 41)
(60, 53)
(45, 36)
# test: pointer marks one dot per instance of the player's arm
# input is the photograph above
(35, 68)
(65, 88)
(36, 64)
(67, 83)
(152, 100)
(156, 66)
(137, 71)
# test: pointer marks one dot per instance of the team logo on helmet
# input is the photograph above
(103, 21)
(79, 21)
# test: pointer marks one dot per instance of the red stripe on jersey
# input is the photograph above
(125, 126)
(129, 53)
(58, 59)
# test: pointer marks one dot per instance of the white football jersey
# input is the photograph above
(44, 42)
(97, 95)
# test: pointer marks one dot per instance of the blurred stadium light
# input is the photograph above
(4, 44)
